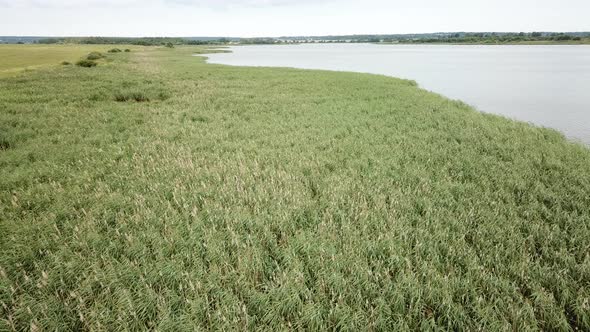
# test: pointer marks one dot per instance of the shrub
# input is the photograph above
(115, 50)
(169, 45)
(4, 143)
(163, 95)
(134, 95)
(127, 50)
(139, 97)
(562, 37)
(86, 63)
(121, 97)
(95, 56)
(199, 118)
(98, 96)
(66, 63)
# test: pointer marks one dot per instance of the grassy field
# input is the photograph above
(161, 192)
(15, 59)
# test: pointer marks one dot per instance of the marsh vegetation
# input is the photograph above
(259, 198)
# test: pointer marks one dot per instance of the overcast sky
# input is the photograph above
(256, 18)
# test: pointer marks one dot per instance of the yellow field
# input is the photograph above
(13, 59)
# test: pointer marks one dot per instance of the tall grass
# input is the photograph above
(256, 198)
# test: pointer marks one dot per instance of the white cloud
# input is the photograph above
(67, 3)
(134, 3)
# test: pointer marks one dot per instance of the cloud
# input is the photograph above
(133, 3)
(243, 3)
(30, 4)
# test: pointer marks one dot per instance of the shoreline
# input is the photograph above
(572, 135)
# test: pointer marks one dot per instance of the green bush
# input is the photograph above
(66, 63)
(121, 97)
(95, 56)
(139, 97)
(133, 95)
(98, 96)
(115, 50)
(562, 37)
(127, 50)
(163, 95)
(199, 118)
(5, 144)
(86, 63)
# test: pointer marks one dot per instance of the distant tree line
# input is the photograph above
(206, 42)
(259, 41)
(490, 38)
(455, 37)
(145, 41)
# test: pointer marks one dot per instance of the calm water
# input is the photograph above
(546, 85)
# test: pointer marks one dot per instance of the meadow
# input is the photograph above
(155, 191)
(16, 59)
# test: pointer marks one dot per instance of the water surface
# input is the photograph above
(545, 85)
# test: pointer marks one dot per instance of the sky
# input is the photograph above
(275, 18)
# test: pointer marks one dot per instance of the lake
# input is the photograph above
(546, 85)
